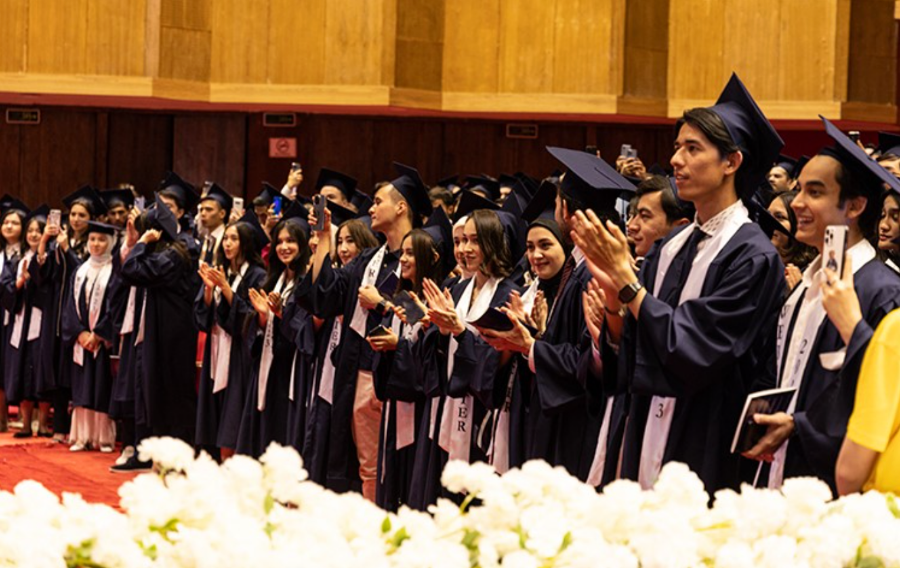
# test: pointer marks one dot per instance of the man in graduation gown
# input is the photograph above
(821, 342)
(215, 208)
(700, 320)
(347, 291)
(563, 431)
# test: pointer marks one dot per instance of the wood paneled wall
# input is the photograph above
(645, 57)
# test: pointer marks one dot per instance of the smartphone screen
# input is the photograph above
(276, 201)
(239, 205)
(625, 150)
(54, 218)
(140, 203)
(319, 204)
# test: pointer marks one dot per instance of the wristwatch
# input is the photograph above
(629, 292)
(381, 308)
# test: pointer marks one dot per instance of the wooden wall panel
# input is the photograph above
(354, 42)
(806, 67)
(696, 42)
(140, 149)
(57, 34)
(297, 42)
(873, 52)
(646, 49)
(115, 37)
(13, 35)
(472, 34)
(240, 43)
(419, 44)
(753, 23)
(185, 54)
(585, 53)
(526, 32)
(211, 147)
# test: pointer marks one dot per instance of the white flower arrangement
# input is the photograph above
(195, 513)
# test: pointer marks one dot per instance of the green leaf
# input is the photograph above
(164, 530)
(892, 504)
(80, 556)
(869, 562)
(470, 539)
(566, 542)
(399, 537)
(269, 503)
(386, 525)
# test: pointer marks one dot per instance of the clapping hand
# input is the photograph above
(517, 339)
(260, 301)
(442, 309)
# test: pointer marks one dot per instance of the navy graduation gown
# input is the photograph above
(826, 397)
(219, 414)
(20, 369)
(335, 293)
(122, 397)
(705, 353)
(302, 329)
(318, 415)
(561, 429)
(166, 359)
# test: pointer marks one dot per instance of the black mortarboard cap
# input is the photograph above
(340, 214)
(295, 210)
(749, 128)
(767, 222)
(440, 229)
(543, 204)
(111, 197)
(506, 180)
(590, 180)
(337, 179)
(219, 195)
(469, 201)
(889, 143)
(11, 203)
(449, 181)
(258, 232)
(89, 194)
(412, 188)
(867, 172)
(185, 191)
(362, 201)
(162, 218)
(6, 200)
(104, 228)
(787, 163)
(484, 184)
(530, 184)
(42, 210)
(268, 192)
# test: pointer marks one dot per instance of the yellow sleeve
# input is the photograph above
(877, 406)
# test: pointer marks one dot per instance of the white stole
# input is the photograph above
(8, 254)
(220, 340)
(456, 422)
(95, 279)
(265, 363)
(326, 382)
(34, 325)
(662, 409)
(799, 346)
(370, 277)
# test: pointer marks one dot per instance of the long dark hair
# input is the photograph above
(796, 253)
(299, 264)
(7, 213)
(428, 261)
(142, 223)
(492, 241)
(248, 251)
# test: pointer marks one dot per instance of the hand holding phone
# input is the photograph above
(834, 249)
(319, 204)
(276, 205)
(238, 206)
(54, 218)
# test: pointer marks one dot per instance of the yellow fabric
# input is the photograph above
(875, 423)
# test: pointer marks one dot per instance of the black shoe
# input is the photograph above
(23, 434)
(133, 465)
(47, 434)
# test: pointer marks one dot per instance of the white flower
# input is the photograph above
(168, 453)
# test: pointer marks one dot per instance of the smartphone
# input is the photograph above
(413, 312)
(238, 206)
(388, 286)
(379, 331)
(625, 150)
(835, 246)
(632, 152)
(853, 135)
(140, 203)
(276, 202)
(319, 204)
(295, 166)
(54, 217)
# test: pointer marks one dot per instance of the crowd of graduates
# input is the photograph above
(606, 318)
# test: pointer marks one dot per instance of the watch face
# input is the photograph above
(629, 292)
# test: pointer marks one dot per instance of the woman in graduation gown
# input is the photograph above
(461, 385)
(220, 310)
(87, 335)
(353, 236)
(12, 222)
(398, 365)
(166, 339)
(27, 301)
(271, 330)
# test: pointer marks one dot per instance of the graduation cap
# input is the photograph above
(87, 194)
(297, 213)
(749, 128)
(441, 231)
(42, 210)
(449, 182)
(103, 228)
(769, 224)
(6, 200)
(114, 197)
(161, 217)
(889, 143)
(514, 227)
(13, 204)
(185, 192)
(530, 184)
(869, 174)
(261, 238)
(219, 195)
(469, 201)
(488, 186)
(362, 201)
(345, 183)
(506, 180)
(340, 214)
(787, 163)
(412, 188)
(543, 204)
(269, 192)
(589, 180)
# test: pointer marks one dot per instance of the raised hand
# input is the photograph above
(260, 301)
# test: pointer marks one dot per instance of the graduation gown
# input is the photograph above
(219, 413)
(335, 293)
(56, 273)
(166, 359)
(122, 397)
(705, 353)
(92, 379)
(302, 329)
(827, 395)
(318, 414)
(476, 372)
(562, 431)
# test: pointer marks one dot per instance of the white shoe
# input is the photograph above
(77, 447)
(126, 454)
(106, 449)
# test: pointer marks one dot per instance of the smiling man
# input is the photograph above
(657, 211)
(822, 339)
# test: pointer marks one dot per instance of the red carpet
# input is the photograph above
(58, 469)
